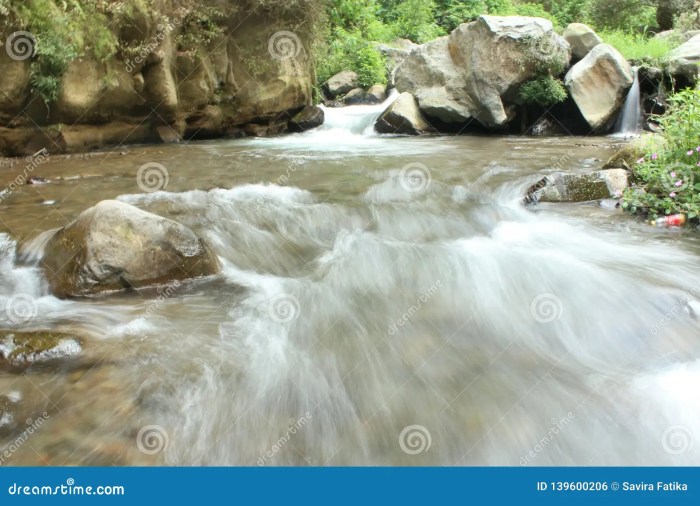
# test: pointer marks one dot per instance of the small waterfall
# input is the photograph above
(630, 118)
(355, 119)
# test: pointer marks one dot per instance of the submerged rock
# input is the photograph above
(598, 84)
(115, 246)
(402, 117)
(22, 349)
(309, 117)
(563, 187)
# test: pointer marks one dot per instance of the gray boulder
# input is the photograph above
(115, 246)
(355, 97)
(341, 83)
(598, 84)
(309, 117)
(685, 58)
(402, 117)
(581, 38)
(376, 94)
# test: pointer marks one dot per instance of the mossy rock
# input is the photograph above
(626, 157)
(22, 349)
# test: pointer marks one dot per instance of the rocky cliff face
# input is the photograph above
(248, 81)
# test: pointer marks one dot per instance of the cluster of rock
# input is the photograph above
(473, 75)
(344, 89)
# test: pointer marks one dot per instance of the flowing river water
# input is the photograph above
(383, 301)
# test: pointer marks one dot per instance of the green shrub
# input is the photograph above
(349, 51)
(670, 178)
(543, 90)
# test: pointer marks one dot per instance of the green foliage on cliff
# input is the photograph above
(670, 177)
(63, 30)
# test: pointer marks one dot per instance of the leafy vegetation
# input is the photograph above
(670, 177)
(544, 90)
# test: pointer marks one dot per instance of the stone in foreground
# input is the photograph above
(116, 246)
(562, 187)
(402, 117)
(599, 84)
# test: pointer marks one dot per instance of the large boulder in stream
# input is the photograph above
(402, 117)
(116, 246)
(477, 70)
(599, 84)
(563, 187)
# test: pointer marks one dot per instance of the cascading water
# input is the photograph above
(630, 119)
(364, 302)
(355, 119)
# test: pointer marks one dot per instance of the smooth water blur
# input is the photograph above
(383, 301)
